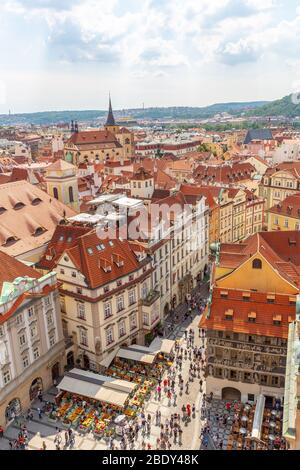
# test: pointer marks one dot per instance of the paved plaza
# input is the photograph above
(40, 430)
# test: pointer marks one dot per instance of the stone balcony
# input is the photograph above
(151, 298)
(151, 310)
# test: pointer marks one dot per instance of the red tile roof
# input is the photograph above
(93, 137)
(265, 312)
(224, 173)
(92, 265)
(141, 175)
(289, 207)
(64, 237)
(11, 268)
(291, 167)
(280, 249)
(207, 192)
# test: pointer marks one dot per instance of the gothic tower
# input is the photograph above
(110, 122)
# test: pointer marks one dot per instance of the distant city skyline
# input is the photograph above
(68, 55)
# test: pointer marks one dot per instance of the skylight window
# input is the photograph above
(100, 247)
(90, 251)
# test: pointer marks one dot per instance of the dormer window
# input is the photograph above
(36, 201)
(224, 294)
(229, 315)
(10, 241)
(19, 206)
(2, 210)
(39, 231)
(277, 319)
(104, 264)
(257, 264)
(252, 317)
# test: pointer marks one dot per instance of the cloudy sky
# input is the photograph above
(68, 54)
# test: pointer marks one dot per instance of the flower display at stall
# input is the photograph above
(99, 417)
(75, 415)
(63, 410)
(99, 427)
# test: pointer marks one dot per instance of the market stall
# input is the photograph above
(162, 346)
(138, 354)
(92, 402)
(98, 387)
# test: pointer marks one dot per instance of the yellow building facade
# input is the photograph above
(61, 179)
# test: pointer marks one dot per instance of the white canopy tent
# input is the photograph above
(161, 345)
(96, 386)
(138, 354)
(103, 199)
(87, 218)
(106, 362)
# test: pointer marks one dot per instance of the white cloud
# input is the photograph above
(154, 39)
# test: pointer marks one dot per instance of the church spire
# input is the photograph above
(110, 118)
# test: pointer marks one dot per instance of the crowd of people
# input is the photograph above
(188, 367)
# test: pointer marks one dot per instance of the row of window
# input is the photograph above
(70, 190)
(286, 224)
(107, 288)
(30, 311)
(109, 334)
(120, 304)
(139, 185)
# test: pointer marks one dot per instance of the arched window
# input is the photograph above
(71, 195)
(55, 193)
(257, 264)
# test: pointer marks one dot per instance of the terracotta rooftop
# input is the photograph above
(190, 190)
(224, 173)
(28, 217)
(93, 137)
(289, 207)
(163, 181)
(291, 167)
(60, 165)
(280, 249)
(64, 237)
(141, 175)
(11, 268)
(102, 261)
(258, 304)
